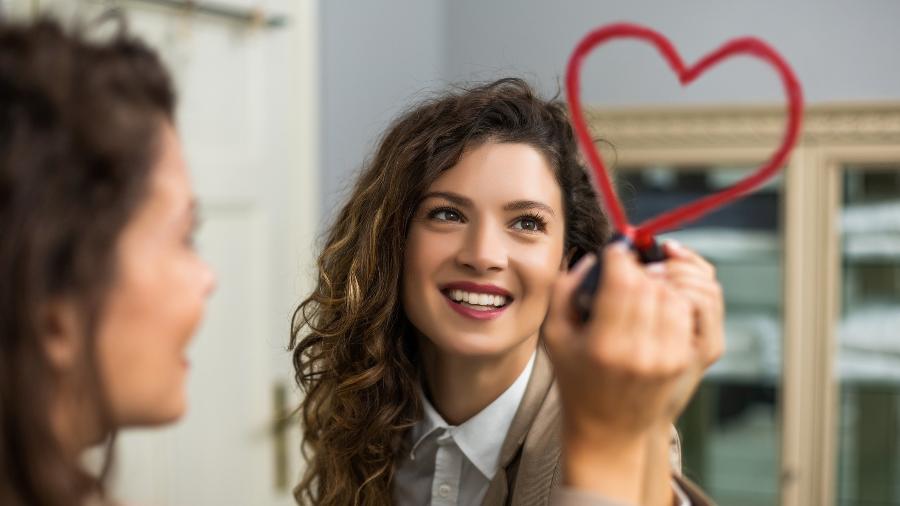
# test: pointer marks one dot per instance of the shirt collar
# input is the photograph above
(477, 437)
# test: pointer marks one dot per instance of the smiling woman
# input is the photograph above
(421, 350)
(477, 196)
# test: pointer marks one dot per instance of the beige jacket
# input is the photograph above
(530, 456)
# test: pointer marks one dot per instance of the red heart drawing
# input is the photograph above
(642, 235)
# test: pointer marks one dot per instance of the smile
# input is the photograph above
(479, 302)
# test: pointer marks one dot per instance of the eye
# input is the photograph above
(530, 224)
(445, 214)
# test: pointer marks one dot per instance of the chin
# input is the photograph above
(155, 414)
(472, 345)
(174, 411)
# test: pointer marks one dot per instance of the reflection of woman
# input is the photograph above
(102, 289)
(420, 350)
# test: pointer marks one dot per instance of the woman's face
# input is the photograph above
(156, 301)
(483, 250)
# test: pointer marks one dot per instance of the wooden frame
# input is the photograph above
(832, 163)
(833, 136)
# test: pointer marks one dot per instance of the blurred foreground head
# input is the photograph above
(89, 163)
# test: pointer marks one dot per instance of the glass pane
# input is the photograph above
(869, 337)
(731, 430)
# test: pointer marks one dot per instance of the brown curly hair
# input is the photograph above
(79, 124)
(354, 351)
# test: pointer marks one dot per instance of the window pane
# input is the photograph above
(730, 431)
(869, 337)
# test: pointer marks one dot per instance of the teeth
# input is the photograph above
(478, 299)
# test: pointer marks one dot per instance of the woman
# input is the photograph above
(420, 350)
(102, 288)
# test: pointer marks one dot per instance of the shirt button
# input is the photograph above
(444, 490)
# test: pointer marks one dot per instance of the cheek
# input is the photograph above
(539, 268)
(131, 357)
(416, 265)
(145, 330)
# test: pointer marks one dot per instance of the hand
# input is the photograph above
(616, 372)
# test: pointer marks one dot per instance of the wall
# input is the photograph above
(375, 56)
(841, 50)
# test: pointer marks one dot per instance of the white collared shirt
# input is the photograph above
(452, 465)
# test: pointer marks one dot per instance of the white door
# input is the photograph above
(247, 118)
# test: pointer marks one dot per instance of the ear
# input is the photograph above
(61, 333)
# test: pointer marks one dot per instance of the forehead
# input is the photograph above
(170, 193)
(502, 172)
(170, 176)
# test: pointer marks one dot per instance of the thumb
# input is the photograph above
(561, 319)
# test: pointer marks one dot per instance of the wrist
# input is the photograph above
(658, 474)
(607, 464)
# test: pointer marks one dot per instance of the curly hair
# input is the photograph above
(79, 124)
(354, 351)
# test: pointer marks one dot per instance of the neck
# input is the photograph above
(461, 386)
(76, 427)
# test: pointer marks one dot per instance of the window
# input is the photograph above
(803, 408)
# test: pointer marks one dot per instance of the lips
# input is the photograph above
(477, 301)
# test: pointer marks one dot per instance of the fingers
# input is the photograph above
(694, 278)
(619, 288)
(676, 251)
(706, 295)
(641, 324)
(673, 325)
(643, 341)
(642, 315)
(574, 275)
(561, 321)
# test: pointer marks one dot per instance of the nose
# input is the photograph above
(210, 280)
(484, 248)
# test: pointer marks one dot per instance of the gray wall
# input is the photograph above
(378, 56)
(841, 50)
(375, 57)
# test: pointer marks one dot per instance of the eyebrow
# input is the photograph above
(452, 197)
(517, 205)
(524, 205)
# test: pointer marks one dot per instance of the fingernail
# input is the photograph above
(675, 245)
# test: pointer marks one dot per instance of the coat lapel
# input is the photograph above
(525, 422)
